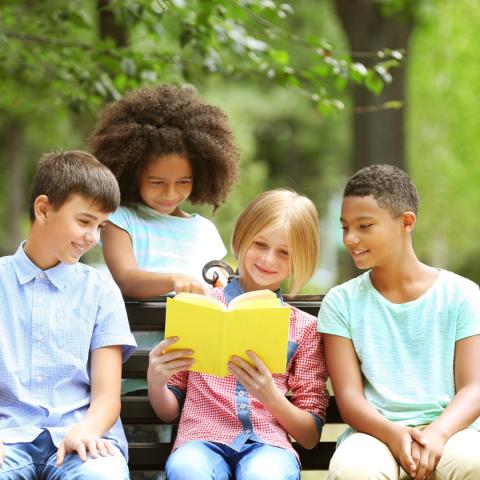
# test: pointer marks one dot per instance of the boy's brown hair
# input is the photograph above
(61, 174)
(390, 186)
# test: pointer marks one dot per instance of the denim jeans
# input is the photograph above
(36, 460)
(201, 460)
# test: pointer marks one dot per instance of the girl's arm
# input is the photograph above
(461, 412)
(259, 382)
(161, 367)
(134, 282)
(104, 409)
(344, 370)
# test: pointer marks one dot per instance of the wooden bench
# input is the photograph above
(149, 316)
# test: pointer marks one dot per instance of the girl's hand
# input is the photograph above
(401, 441)
(80, 439)
(256, 379)
(186, 283)
(161, 365)
(429, 455)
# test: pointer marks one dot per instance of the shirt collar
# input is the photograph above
(233, 289)
(26, 270)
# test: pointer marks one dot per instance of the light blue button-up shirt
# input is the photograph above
(50, 322)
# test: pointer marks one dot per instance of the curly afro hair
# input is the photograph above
(148, 123)
(390, 186)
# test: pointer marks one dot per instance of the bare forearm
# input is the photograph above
(461, 412)
(363, 417)
(102, 414)
(164, 403)
(298, 423)
(141, 284)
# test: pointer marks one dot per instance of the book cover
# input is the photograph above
(254, 321)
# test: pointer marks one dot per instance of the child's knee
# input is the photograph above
(102, 468)
(271, 464)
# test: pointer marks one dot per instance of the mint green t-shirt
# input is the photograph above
(406, 351)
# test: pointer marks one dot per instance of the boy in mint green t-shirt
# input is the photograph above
(402, 345)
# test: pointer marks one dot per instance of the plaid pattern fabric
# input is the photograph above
(221, 410)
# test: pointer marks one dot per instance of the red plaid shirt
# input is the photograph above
(221, 410)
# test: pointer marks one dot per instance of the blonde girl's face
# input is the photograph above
(165, 183)
(266, 262)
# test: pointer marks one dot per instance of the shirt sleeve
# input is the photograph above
(333, 315)
(308, 374)
(111, 324)
(179, 381)
(121, 218)
(468, 313)
(215, 243)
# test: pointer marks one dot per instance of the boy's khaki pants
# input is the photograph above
(362, 457)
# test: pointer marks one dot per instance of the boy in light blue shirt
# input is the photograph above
(64, 333)
(402, 345)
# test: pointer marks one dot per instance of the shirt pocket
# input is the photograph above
(73, 331)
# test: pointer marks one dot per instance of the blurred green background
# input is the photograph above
(313, 89)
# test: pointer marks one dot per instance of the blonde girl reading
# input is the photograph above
(239, 426)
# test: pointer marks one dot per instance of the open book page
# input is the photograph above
(199, 299)
(266, 296)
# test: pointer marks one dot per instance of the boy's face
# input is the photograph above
(372, 237)
(69, 231)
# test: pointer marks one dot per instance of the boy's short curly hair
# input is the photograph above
(148, 123)
(390, 186)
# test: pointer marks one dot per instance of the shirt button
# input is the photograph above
(241, 393)
(247, 430)
(39, 338)
(40, 300)
(41, 276)
(242, 406)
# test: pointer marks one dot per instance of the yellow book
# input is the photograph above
(254, 321)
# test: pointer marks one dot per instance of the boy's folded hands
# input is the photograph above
(427, 456)
(81, 440)
(400, 441)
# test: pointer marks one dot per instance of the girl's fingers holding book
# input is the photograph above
(161, 346)
(261, 367)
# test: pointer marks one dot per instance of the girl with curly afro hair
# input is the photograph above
(164, 145)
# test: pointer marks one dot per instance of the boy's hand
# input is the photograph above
(426, 457)
(79, 439)
(186, 283)
(256, 379)
(400, 443)
(2, 452)
(161, 365)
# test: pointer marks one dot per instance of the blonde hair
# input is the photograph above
(282, 208)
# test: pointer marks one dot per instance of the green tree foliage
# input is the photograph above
(57, 47)
(443, 126)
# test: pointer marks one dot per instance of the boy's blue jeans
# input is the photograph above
(36, 460)
(201, 460)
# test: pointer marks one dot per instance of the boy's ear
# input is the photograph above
(41, 207)
(409, 220)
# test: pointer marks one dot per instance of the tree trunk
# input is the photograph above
(16, 190)
(378, 136)
(108, 26)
